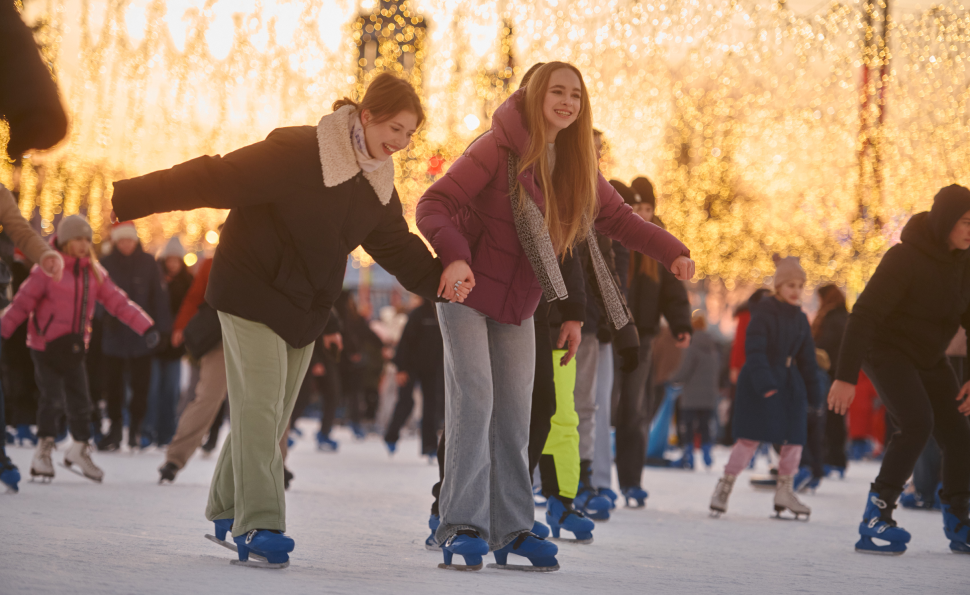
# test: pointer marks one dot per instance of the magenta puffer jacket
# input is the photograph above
(466, 215)
(54, 308)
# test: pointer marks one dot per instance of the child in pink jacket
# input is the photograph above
(58, 333)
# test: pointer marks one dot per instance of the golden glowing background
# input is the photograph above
(745, 114)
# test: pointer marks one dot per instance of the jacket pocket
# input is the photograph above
(292, 280)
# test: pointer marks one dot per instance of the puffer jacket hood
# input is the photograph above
(919, 233)
(949, 204)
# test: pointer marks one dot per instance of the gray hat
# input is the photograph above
(172, 248)
(73, 227)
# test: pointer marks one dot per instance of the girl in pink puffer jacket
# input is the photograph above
(58, 333)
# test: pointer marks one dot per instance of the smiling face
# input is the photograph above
(562, 102)
(960, 234)
(386, 138)
(791, 292)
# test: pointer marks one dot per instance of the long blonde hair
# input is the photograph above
(570, 192)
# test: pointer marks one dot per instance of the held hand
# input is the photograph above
(402, 378)
(770, 394)
(53, 265)
(840, 396)
(457, 281)
(571, 332)
(683, 341)
(734, 373)
(683, 268)
(177, 337)
(964, 407)
(331, 340)
(318, 369)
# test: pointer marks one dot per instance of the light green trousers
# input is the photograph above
(264, 376)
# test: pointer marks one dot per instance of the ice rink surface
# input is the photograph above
(359, 518)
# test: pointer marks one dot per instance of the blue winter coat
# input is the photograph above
(139, 276)
(780, 356)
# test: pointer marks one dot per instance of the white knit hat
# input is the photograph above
(172, 248)
(124, 230)
(788, 269)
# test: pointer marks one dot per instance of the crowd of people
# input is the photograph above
(553, 314)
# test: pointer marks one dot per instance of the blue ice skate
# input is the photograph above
(223, 528)
(540, 530)
(956, 525)
(469, 546)
(391, 447)
(802, 479)
(541, 553)
(560, 516)
(593, 504)
(430, 543)
(686, 461)
(860, 449)
(706, 450)
(831, 470)
(358, 431)
(635, 497)
(24, 434)
(269, 544)
(609, 494)
(325, 443)
(877, 522)
(915, 501)
(10, 476)
(8, 437)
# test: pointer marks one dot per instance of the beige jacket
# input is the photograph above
(22, 234)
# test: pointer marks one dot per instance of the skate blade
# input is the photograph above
(79, 474)
(232, 546)
(879, 552)
(716, 514)
(460, 567)
(779, 517)
(524, 568)
(432, 548)
(11, 490)
(38, 478)
(258, 564)
(569, 540)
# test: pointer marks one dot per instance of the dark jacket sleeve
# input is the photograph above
(830, 334)
(161, 311)
(808, 365)
(674, 303)
(29, 101)
(333, 324)
(883, 292)
(403, 254)
(258, 173)
(407, 347)
(574, 306)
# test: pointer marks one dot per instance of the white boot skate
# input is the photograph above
(80, 454)
(41, 466)
(722, 492)
(785, 499)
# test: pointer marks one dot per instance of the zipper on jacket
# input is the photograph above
(46, 326)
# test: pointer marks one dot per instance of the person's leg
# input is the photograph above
(741, 455)
(951, 430)
(51, 402)
(432, 385)
(901, 389)
(835, 439)
(927, 473)
(78, 403)
(330, 393)
(3, 421)
(264, 375)
(149, 423)
(512, 509)
(587, 362)
(114, 380)
(210, 394)
(560, 476)
(602, 476)
(402, 411)
(791, 455)
(168, 400)
(631, 443)
(303, 398)
(141, 376)
(543, 388)
(689, 421)
(464, 501)
(212, 437)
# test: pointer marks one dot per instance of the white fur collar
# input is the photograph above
(337, 158)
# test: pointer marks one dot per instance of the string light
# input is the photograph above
(752, 120)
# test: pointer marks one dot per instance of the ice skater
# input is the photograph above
(898, 333)
(278, 269)
(506, 211)
(58, 333)
(777, 382)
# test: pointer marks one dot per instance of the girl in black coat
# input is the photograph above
(300, 202)
(898, 333)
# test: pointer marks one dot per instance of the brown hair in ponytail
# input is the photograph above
(386, 97)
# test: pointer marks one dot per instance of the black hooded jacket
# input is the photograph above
(917, 298)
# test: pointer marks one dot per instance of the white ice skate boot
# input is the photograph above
(785, 499)
(722, 492)
(80, 454)
(41, 466)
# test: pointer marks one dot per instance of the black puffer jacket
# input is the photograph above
(648, 299)
(283, 251)
(915, 301)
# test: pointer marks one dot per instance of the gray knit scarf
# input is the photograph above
(530, 225)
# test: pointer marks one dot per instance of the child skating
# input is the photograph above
(58, 333)
(778, 380)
